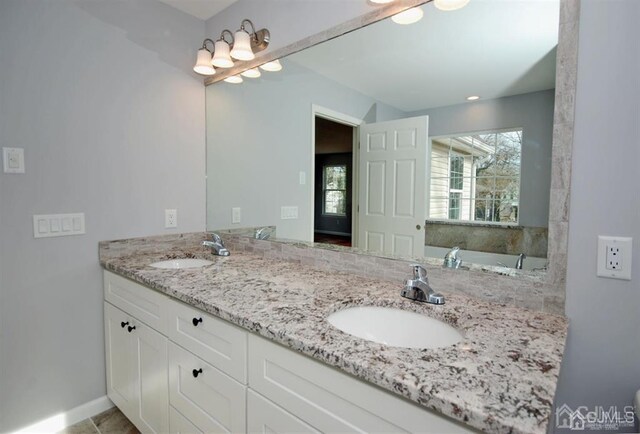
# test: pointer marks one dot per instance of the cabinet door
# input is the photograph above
(120, 360)
(178, 424)
(153, 382)
(210, 399)
(263, 416)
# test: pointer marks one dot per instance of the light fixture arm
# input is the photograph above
(253, 29)
(225, 32)
(204, 45)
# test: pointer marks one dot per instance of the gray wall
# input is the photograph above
(601, 365)
(533, 112)
(601, 360)
(259, 140)
(101, 96)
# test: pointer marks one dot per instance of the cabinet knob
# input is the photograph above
(197, 372)
(131, 328)
(195, 321)
(122, 324)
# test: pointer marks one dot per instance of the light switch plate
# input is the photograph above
(236, 215)
(13, 160)
(58, 225)
(288, 212)
(170, 218)
(614, 257)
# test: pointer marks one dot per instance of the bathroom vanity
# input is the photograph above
(244, 345)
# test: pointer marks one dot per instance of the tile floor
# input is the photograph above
(111, 421)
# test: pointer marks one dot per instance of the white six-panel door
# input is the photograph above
(393, 160)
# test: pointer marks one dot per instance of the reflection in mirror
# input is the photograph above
(370, 140)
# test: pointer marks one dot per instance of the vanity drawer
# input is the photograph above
(263, 416)
(145, 304)
(212, 401)
(332, 401)
(214, 340)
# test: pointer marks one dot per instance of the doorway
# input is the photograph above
(333, 182)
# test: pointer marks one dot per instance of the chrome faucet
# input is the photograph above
(520, 261)
(451, 259)
(262, 233)
(418, 288)
(216, 245)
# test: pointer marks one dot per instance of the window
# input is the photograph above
(476, 177)
(334, 185)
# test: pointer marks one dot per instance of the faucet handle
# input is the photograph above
(419, 272)
(216, 238)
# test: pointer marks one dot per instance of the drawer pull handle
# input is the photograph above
(122, 324)
(131, 328)
(195, 321)
(197, 372)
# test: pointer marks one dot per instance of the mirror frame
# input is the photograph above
(554, 281)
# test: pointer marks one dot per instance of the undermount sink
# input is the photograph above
(181, 264)
(395, 327)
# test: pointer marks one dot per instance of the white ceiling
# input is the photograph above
(203, 9)
(491, 48)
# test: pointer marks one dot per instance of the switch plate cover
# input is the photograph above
(13, 160)
(170, 218)
(236, 215)
(614, 257)
(58, 225)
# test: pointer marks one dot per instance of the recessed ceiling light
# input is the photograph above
(234, 79)
(409, 16)
(450, 5)
(473, 98)
(251, 73)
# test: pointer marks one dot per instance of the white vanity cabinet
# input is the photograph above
(174, 368)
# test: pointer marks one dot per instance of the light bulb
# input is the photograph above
(251, 73)
(473, 98)
(221, 56)
(450, 5)
(409, 16)
(203, 63)
(272, 66)
(242, 46)
(234, 79)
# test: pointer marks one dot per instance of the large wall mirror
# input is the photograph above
(399, 140)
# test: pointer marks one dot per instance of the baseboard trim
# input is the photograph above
(64, 419)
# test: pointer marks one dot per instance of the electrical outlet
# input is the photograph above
(170, 218)
(303, 178)
(614, 257)
(235, 215)
(13, 160)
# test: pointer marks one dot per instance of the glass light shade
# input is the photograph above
(221, 56)
(409, 16)
(242, 46)
(450, 5)
(234, 79)
(251, 73)
(203, 64)
(272, 66)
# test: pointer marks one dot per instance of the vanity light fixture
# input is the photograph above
(203, 62)
(473, 98)
(450, 5)
(251, 73)
(272, 66)
(221, 57)
(234, 79)
(243, 46)
(408, 16)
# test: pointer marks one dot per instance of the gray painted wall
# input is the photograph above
(533, 112)
(259, 140)
(101, 96)
(601, 365)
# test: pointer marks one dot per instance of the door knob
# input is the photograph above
(131, 328)
(418, 227)
(195, 321)
(197, 372)
(122, 324)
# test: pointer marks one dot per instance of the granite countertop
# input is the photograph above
(501, 377)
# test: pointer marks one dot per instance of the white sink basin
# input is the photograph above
(395, 327)
(181, 264)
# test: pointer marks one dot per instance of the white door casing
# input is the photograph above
(393, 176)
